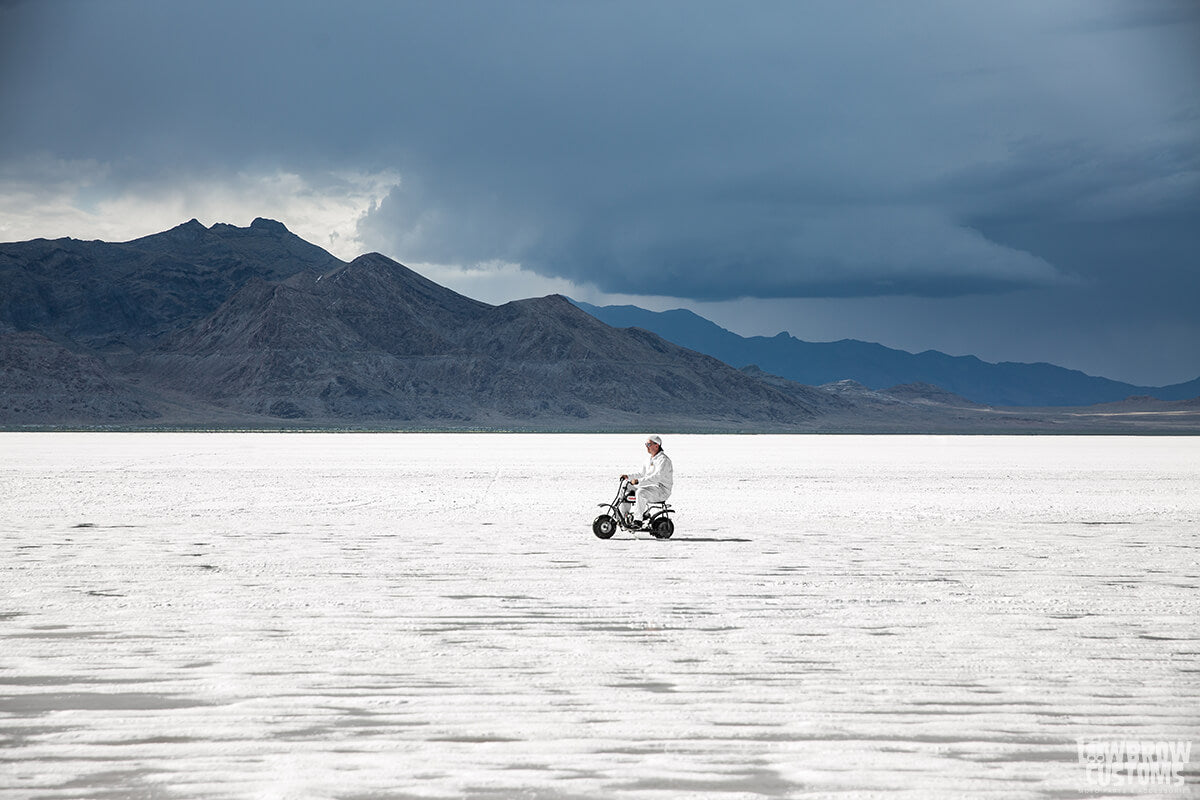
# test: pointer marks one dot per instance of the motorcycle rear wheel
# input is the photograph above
(662, 528)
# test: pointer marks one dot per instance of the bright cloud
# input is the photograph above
(498, 282)
(50, 198)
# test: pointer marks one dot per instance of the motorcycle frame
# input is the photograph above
(657, 510)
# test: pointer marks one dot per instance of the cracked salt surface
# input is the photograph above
(410, 615)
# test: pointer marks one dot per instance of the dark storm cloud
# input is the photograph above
(1142, 15)
(696, 149)
(789, 151)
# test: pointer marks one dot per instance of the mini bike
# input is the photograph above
(658, 522)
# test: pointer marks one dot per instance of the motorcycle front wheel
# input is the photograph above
(604, 526)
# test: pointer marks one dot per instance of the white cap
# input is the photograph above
(656, 439)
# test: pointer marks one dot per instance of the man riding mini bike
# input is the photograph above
(658, 522)
(649, 489)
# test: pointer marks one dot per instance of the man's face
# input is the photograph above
(652, 448)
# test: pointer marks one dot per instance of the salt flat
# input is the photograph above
(410, 615)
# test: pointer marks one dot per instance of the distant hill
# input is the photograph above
(253, 324)
(253, 327)
(372, 340)
(878, 367)
(124, 297)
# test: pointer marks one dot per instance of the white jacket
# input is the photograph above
(657, 471)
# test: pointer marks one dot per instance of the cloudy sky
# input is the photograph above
(1014, 180)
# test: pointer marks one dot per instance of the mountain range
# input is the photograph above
(253, 327)
(879, 367)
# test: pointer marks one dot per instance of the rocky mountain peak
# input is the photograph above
(269, 226)
(189, 231)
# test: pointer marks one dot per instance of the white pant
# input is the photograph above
(645, 496)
